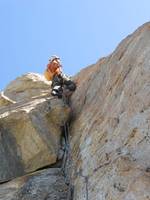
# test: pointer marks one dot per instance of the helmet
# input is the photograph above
(54, 57)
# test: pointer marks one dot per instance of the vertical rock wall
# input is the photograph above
(110, 132)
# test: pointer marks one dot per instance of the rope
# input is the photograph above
(67, 158)
(67, 147)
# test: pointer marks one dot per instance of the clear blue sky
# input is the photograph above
(79, 31)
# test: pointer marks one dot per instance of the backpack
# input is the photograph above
(52, 69)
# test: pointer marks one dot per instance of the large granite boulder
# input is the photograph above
(110, 131)
(30, 129)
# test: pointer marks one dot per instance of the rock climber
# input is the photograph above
(61, 84)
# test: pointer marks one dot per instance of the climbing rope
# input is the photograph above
(67, 146)
(67, 160)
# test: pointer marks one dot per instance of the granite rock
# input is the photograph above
(110, 131)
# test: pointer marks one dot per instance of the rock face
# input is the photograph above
(30, 128)
(44, 185)
(27, 87)
(108, 156)
(110, 132)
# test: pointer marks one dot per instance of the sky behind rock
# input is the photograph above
(79, 31)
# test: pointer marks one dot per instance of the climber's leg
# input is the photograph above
(57, 86)
(70, 85)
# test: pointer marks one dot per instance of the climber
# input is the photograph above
(61, 84)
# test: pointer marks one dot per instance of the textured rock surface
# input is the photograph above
(28, 86)
(110, 134)
(4, 100)
(44, 185)
(30, 130)
(110, 131)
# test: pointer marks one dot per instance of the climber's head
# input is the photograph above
(55, 58)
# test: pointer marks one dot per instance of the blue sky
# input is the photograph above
(79, 31)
